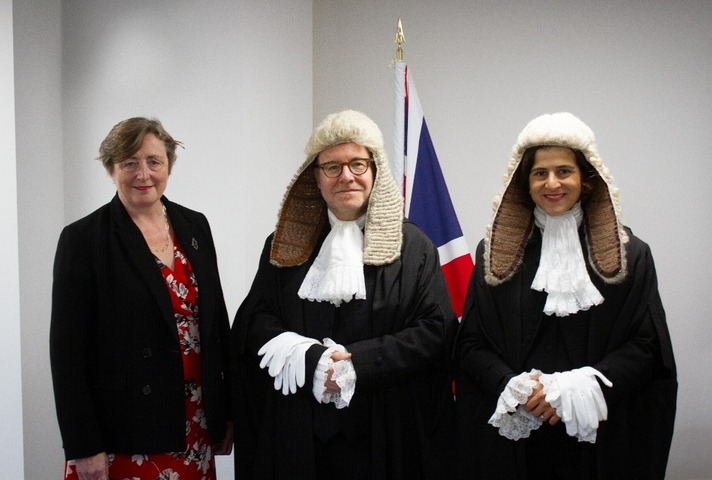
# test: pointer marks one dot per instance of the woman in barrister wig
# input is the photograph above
(567, 369)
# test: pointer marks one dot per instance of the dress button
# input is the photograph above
(147, 352)
(146, 390)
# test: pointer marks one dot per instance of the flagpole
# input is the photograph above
(399, 137)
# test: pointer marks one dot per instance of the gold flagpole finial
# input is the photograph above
(400, 40)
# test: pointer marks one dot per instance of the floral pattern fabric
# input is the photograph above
(197, 461)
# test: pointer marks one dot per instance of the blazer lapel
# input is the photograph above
(139, 253)
(198, 249)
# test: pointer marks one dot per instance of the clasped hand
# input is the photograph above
(331, 386)
(538, 406)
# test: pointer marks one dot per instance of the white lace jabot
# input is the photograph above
(337, 272)
(562, 269)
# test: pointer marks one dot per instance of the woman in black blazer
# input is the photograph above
(138, 336)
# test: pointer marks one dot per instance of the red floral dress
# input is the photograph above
(196, 462)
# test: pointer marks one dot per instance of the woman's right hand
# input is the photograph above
(93, 468)
(538, 406)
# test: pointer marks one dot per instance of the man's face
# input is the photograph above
(347, 194)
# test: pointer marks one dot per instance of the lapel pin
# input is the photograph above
(194, 243)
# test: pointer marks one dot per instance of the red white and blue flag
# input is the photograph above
(427, 200)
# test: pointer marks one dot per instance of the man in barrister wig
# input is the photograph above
(344, 339)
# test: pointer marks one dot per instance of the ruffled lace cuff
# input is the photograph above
(512, 420)
(320, 374)
(344, 375)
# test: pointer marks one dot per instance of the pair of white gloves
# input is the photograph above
(284, 358)
(575, 394)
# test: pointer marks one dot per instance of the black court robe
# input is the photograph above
(400, 339)
(627, 341)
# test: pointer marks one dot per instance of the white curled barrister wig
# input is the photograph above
(302, 215)
(513, 212)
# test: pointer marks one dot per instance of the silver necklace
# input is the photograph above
(168, 238)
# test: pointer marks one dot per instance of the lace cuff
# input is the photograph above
(322, 367)
(344, 375)
(513, 421)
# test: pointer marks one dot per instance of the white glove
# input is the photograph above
(275, 351)
(578, 400)
(284, 357)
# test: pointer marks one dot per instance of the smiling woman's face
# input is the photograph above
(555, 180)
(141, 179)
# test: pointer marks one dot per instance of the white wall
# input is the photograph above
(41, 215)
(11, 450)
(232, 80)
(639, 73)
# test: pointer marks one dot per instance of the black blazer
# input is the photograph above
(116, 361)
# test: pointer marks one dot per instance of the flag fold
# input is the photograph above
(427, 200)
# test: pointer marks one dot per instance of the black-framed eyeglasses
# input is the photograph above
(357, 166)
